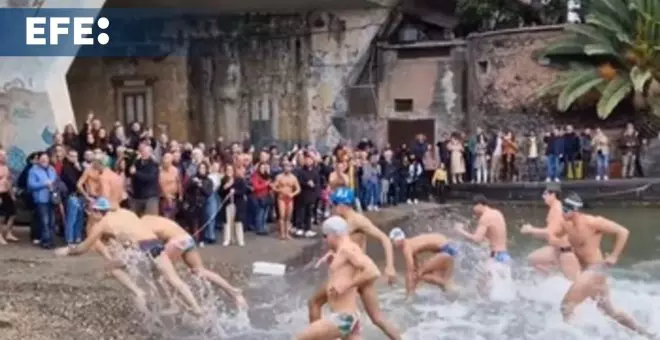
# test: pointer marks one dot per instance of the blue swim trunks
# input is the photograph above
(449, 249)
(501, 256)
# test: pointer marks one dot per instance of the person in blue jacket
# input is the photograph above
(41, 183)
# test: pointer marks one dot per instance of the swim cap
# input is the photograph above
(334, 225)
(397, 234)
(572, 202)
(480, 199)
(553, 188)
(343, 196)
(101, 204)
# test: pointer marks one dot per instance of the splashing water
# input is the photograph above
(525, 308)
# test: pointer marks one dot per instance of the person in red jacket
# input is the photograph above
(261, 192)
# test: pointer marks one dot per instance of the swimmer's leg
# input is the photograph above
(438, 270)
(543, 259)
(193, 260)
(604, 303)
(320, 330)
(569, 265)
(166, 267)
(287, 218)
(140, 297)
(372, 307)
(282, 220)
(579, 291)
(315, 304)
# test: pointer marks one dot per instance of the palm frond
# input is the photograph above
(581, 83)
(614, 93)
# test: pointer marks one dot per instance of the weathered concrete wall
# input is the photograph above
(434, 83)
(504, 75)
(34, 99)
(338, 50)
(95, 82)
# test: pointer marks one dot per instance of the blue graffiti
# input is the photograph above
(15, 160)
(48, 136)
(22, 112)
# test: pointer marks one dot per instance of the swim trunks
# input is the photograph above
(183, 244)
(286, 199)
(501, 256)
(152, 247)
(563, 250)
(346, 323)
(449, 249)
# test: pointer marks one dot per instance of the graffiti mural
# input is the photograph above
(26, 121)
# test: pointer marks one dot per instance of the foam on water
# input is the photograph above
(523, 308)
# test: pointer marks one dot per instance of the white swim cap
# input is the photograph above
(335, 225)
(397, 234)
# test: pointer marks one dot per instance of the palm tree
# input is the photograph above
(615, 54)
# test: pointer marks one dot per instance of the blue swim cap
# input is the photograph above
(343, 196)
(101, 204)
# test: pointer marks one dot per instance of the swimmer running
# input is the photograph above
(349, 270)
(491, 227)
(126, 227)
(558, 251)
(359, 227)
(585, 233)
(179, 244)
(437, 270)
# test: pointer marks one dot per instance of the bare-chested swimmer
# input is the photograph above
(287, 188)
(359, 227)
(558, 252)
(126, 227)
(491, 227)
(349, 270)
(585, 233)
(437, 270)
(179, 244)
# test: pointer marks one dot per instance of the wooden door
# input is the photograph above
(400, 131)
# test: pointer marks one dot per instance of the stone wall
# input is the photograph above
(34, 99)
(279, 77)
(504, 75)
(95, 85)
(339, 50)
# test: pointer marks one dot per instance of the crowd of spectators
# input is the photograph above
(227, 189)
(556, 154)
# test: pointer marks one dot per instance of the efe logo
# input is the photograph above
(35, 30)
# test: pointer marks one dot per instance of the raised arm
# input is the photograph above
(369, 229)
(367, 269)
(610, 227)
(479, 234)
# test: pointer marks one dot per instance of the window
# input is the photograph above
(403, 105)
(135, 107)
(134, 101)
(262, 108)
(483, 66)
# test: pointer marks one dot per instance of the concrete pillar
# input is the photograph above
(34, 97)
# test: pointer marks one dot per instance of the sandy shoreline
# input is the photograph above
(44, 298)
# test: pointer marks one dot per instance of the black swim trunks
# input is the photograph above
(563, 250)
(153, 248)
(7, 205)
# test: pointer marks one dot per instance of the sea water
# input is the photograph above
(524, 307)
